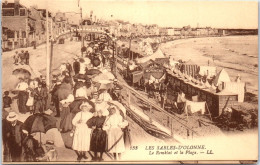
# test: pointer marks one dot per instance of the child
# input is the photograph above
(7, 101)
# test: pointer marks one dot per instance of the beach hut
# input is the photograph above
(221, 77)
(190, 68)
(157, 54)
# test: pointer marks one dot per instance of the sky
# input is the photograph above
(217, 14)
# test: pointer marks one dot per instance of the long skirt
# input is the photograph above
(38, 106)
(98, 140)
(22, 99)
(81, 140)
(114, 135)
(66, 120)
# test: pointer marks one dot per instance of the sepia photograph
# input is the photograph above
(135, 81)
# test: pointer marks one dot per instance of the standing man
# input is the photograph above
(55, 98)
(22, 57)
(76, 66)
(14, 136)
(69, 67)
(40, 95)
(16, 58)
(27, 56)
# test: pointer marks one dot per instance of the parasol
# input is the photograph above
(119, 106)
(23, 73)
(104, 84)
(39, 123)
(93, 72)
(81, 76)
(104, 76)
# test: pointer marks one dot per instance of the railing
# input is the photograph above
(89, 29)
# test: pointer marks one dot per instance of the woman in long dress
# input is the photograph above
(81, 140)
(98, 138)
(113, 126)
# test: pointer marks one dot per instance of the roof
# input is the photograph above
(225, 93)
(190, 62)
(10, 5)
(44, 12)
(157, 54)
(222, 76)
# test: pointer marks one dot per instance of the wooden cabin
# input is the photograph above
(216, 102)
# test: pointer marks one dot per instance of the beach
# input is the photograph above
(238, 55)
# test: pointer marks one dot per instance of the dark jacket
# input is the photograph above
(7, 101)
(76, 66)
(26, 55)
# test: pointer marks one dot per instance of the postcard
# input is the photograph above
(112, 81)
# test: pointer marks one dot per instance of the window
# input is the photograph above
(8, 12)
(23, 34)
(10, 34)
(16, 10)
(22, 12)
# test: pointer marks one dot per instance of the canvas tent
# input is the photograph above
(221, 77)
(157, 54)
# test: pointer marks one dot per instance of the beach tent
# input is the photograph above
(222, 76)
(190, 68)
(157, 54)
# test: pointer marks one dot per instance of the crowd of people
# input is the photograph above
(23, 57)
(84, 95)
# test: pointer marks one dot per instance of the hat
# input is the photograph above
(95, 94)
(25, 131)
(50, 142)
(115, 80)
(12, 116)
(84, 104)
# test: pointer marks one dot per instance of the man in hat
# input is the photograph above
(116, 85)
(14, 136)
(22, 57)
(51, 152)
(116, 94)
(76, 66)
(16, 58)
(54, 96)
(40, 97)
(27, 56)
(69, 67)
